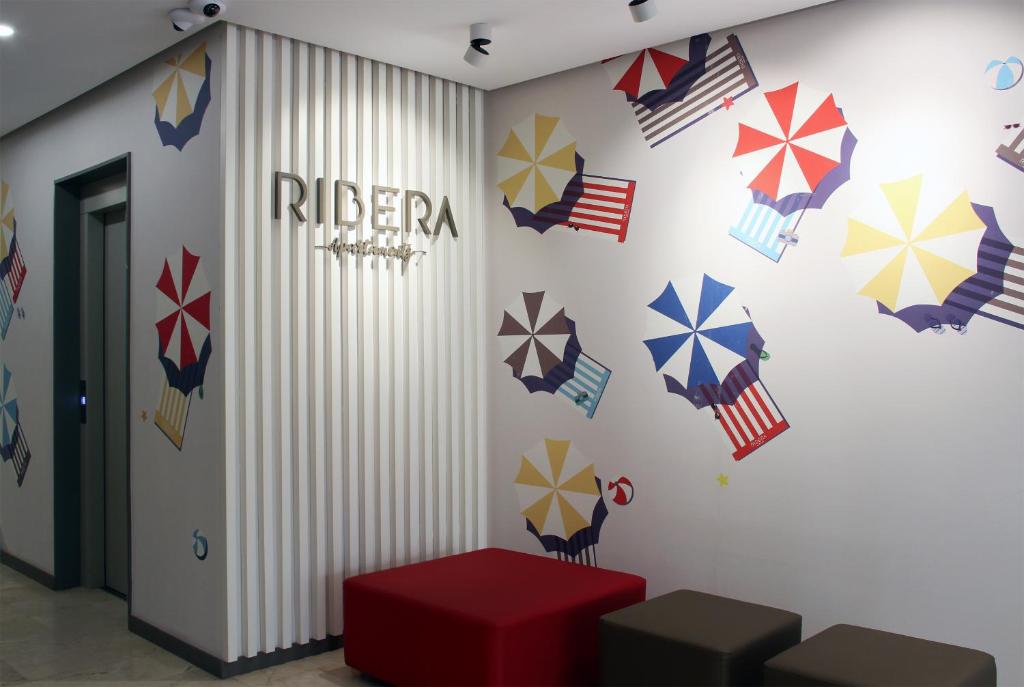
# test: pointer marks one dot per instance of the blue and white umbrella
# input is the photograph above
(697, 333)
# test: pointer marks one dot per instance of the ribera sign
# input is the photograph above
(348, 199)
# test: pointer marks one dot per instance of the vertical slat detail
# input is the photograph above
(353, 430)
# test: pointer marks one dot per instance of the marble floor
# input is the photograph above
(80, 637)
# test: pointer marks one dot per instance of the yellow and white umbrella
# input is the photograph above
(178, 85)
(536, 162)
(913, 243)
(557, 489)
(6, 222)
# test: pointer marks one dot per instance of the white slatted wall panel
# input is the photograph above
(354, 435)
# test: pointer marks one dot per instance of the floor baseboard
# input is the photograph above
(28, 570)
(224, 669)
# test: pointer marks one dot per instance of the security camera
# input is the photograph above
(207, 8)
(183, 19)
(479, 36)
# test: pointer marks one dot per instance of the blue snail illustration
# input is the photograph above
(199, 545)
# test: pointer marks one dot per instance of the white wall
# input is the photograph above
(895, 499)
(175, 200)
(353, 390)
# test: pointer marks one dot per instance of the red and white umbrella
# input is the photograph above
(651, 69)
(790, 140)
(183, 309)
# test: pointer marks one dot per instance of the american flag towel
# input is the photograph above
(1008, 306)
(753, 420)
(603, 206)
(1014, 152)
(18, 453)
(759, 226)
(727, 76)
(16, 274)
(587, 385)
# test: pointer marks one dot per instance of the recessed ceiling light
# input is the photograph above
(6, 31)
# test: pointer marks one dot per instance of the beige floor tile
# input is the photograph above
(80, 637)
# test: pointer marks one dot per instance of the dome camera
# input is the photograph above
(183, 20)
(207, 8)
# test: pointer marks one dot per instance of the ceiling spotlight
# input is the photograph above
(182, 19)
(479, 36)
(6, 31)
(642, 10)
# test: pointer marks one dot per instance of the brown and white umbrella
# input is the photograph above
(533, 335)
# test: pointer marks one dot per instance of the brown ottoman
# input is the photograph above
(691, 638)
(851, 655)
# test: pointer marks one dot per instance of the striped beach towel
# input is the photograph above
(760, 226)
(587, 385)
(1008, 306)
(727, 76)
(6, 308)
(753, 420)
(16, 274)
(604, 206)
(172, 414)
(18, 453)
(1014, 152)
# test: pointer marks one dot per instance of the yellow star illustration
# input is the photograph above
(723, 479)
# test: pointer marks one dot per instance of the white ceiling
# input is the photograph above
(63, 48)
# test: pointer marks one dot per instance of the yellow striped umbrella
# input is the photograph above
(557, 489)
(178, 85)
(536, 162)
(912, 244)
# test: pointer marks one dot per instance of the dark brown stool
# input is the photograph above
(691, 638)
(851, 655)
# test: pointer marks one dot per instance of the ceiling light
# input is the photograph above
(479, 36)
(642, 10)
(6, 31)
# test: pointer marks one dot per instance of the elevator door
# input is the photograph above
(104, 360)
(115, 413)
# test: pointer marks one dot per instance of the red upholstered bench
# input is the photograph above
(490, 617)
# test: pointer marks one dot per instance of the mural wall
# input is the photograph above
(878, 482)
(176, 486)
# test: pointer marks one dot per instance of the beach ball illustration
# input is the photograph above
(1003, 74)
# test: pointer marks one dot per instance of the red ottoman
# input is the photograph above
(490, 617)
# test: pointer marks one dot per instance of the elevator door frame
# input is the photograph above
(67, 370)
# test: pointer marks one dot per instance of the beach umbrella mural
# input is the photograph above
(13, 446)
(790, 140)
(646, 75)
(674, 86)
(543, 183)
(993, 292)
(12, 262)
(703, 343)
(183, 331)
(182, 94)
(536, 162)
(560, 497)
(795, 149)
(1004, 74)
(912, 244)
(538, 341)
